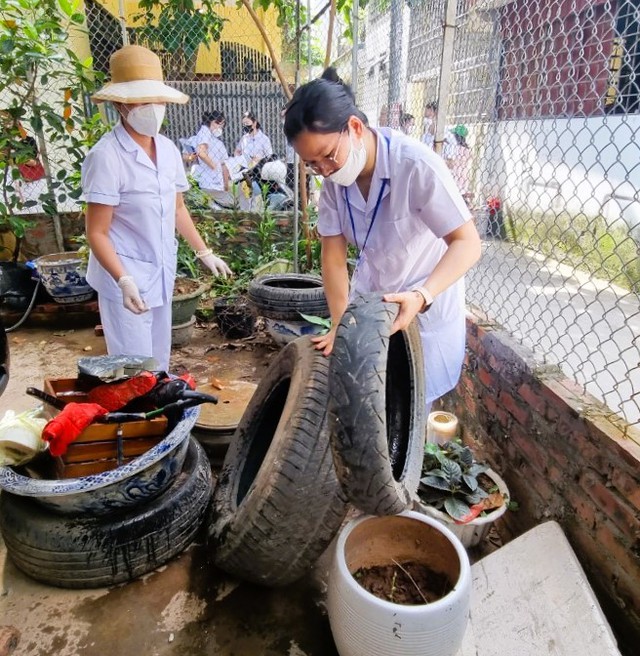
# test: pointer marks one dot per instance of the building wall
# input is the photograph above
(239, 28)
(555, 58)
(563, 457)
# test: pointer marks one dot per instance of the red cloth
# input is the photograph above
(65, 427)
(114, 396)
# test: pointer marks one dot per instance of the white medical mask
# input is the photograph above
(217, 132)
(146, 119)
(356, 159)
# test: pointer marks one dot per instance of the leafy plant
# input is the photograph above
(44, 86)
(450, 480)
(179, 28)
(317, 321)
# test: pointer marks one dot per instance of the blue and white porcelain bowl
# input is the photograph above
(284, 331)
(63, 276)
(140, 480)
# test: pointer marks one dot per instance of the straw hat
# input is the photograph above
(136, 77)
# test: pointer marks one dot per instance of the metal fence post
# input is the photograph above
(123, 22)
(354, 49)
(446, 67)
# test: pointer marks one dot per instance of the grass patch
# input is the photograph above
(586, 243)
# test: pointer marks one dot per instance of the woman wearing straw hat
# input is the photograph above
(132, 181)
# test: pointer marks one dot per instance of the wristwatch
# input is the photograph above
(426, 297)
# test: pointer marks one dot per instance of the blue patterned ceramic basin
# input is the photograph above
(284, 331)
(143, 478)
(63, 276)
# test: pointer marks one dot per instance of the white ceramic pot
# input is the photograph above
(364, 625)
(473, 532)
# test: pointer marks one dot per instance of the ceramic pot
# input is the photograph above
(143, 478)
(365, 625)
(473, 532)
(284, 331)
(183, 306)
(181, 334)
(63, 276)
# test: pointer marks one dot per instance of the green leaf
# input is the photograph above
(457, 509)
(452, 470)
(436, 481)
(66, 6)
(316, 321)
(471, 482)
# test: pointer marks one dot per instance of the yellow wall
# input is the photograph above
(239, 28)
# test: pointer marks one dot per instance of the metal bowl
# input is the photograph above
(140, 480)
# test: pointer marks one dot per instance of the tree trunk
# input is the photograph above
(332, 18)
(272, 53)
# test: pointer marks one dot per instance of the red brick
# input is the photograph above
(580, 505)
(533, 453)
(617, 548)
(532, 398)
(519, 413)
(557, 396)
(627, 485)
(487, 378)
(603, 431)
(611, 504)
(627, 587)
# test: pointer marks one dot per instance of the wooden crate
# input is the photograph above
(95, 450)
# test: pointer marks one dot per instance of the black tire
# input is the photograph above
(377, 407)
(278, 503)
(286, 295)
(73, 552)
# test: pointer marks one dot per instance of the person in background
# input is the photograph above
(457, 155)
(429, 124)
(210, 172)
(407, 123)
(254, 143)
(395, 200)
(132, 182)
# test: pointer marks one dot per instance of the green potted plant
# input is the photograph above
(462, 493)
(233, 313)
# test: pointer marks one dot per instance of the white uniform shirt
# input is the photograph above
(256, 145)
(206, 177)
(420, 205)
(119, 173)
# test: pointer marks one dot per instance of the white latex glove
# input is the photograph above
(217, 265)
(131, 298)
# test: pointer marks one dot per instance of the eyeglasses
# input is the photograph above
(320, 166)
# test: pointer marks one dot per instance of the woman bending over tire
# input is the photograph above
(397, 202)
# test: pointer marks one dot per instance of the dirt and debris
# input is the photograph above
(408, 583)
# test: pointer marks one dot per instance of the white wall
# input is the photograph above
(589, 165)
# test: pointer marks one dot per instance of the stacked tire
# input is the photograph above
(283, 298)
(286, 295)
(93, 551)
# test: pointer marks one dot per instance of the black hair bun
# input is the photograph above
(331, 75)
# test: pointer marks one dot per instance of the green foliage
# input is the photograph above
(586, 243)
(44, 86)
(317, 321)
(450, 479)
(179, 27)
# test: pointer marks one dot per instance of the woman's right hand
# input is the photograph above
(324, 343)
(131, 298)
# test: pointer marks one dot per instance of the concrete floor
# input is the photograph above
(187, 607)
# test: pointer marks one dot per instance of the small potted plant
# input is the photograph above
(462, 493)
(233, 313)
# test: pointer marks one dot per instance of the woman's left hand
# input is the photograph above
(410, 305)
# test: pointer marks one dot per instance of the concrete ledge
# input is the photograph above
(531, 597)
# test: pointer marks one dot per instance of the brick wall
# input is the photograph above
(563, 456)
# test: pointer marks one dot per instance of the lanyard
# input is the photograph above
(375, 210)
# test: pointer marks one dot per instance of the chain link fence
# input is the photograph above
(534, 106)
